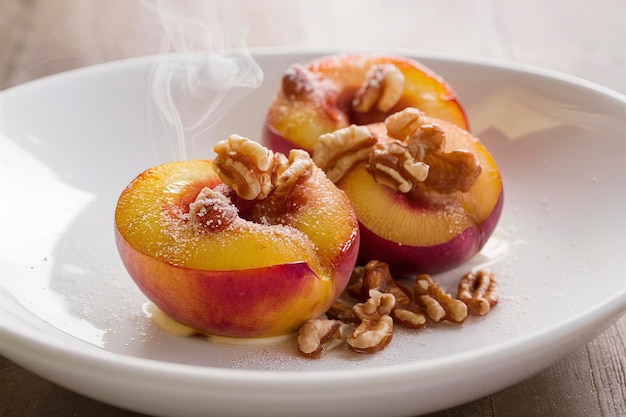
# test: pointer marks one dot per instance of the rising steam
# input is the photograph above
(203, 69)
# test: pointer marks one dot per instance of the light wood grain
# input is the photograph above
(606, 356)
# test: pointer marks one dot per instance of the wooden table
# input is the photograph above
(583, 38)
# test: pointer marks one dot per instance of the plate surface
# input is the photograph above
(70, 313)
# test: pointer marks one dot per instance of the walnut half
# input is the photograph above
(438, 304)
(449, 171)
(392, 165)
(376, 328)
(255, 172)
(382, 88)
(479, 290)
(315, 335)
(336, 152)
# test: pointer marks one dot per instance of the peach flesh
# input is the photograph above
(262, 301)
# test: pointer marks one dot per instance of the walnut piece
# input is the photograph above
(288, 171)
(336, 152)
(438, 304)
(211, 211)
(407, 154)
(376, 328)
(342, 312)
(383, 87)
(315, 334)
(409, 316)
(401, 124)
(255, 172)
(416, 157)
(375, 275)
(479, 290)
(392, 165)
(449, 171)
(245, 166)
(385, 302)
(429, 138)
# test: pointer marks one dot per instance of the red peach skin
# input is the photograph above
(407, 259)
(262, 302)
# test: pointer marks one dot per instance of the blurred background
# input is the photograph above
(586, 38)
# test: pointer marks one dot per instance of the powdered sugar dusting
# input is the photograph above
(300, 82)
(211, 211)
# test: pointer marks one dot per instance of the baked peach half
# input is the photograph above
(427, 193)
(252, 244)
(339, 90)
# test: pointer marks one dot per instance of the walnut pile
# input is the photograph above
(379, 302)
(406, 153)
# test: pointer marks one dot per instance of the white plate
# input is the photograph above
(70, 313)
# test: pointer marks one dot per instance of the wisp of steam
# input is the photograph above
(204, 67)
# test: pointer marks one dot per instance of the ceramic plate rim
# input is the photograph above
(612, 307)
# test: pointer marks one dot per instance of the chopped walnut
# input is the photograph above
(338, 151)
(377, 276)
(391, 164)
(315, 334)
(255, 172)
(211, 211)
(289, 171)
(429, 138)
(246, 166)
(479, 290)
(438, 304)
(406, 153)
(401, 124)
(416, 155)
(449, 171)
(376, 328)
(383, 87)
(384, 303)
(409, 316)
(342, 312)
(355, 283)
